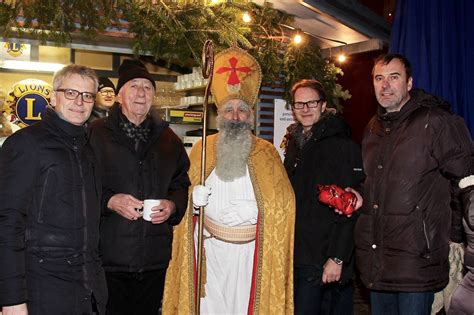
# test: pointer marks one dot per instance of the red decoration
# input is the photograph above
(233, 78)
(338, 198)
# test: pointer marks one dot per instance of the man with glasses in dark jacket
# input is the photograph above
(320, 151)
(142, 159)
(50, 208)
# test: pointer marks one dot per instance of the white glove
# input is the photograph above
(242, 212)
(201, 195)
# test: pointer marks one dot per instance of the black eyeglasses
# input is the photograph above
(71, 94)
(309, 104)
(107, 92)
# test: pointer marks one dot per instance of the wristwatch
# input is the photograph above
(337, 260)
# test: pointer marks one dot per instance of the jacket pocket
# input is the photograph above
(424, 242)
(407, 235)
(59, 199)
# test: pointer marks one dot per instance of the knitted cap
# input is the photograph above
(133, 69)
(105, 82)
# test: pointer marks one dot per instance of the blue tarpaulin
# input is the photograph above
(437, 36)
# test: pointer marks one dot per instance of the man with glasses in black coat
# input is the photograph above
(320, 151)
(50, 208)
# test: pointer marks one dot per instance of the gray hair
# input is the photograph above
(69, 70)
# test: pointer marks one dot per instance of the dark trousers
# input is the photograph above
(401, 303)
(135, 292)
(312, 297)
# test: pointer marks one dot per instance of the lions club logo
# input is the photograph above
(27, 101)
(14, 49)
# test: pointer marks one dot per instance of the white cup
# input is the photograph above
(147, 205)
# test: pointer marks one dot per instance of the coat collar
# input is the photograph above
(157, 125)
(52, 119)
(418, 99)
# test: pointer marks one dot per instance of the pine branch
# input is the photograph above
(175, 31)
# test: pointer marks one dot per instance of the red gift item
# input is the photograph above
(338, 198)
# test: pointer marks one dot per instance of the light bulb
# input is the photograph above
(297, 39)
(246, 17)
(341, 58)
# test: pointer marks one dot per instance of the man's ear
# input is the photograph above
(410, 83)
(323, 106)
(118, 97)
(52, 99)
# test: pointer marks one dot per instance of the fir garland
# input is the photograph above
(175, 31)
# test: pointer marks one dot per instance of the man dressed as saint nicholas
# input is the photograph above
(249, 210)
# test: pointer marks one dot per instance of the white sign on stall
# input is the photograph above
(283, 118)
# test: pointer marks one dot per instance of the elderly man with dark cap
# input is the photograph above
(141, 159)
(104, 99)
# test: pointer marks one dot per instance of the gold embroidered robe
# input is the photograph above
(272, 284)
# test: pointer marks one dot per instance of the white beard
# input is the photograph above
(233, 148)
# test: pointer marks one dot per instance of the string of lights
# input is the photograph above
(298, 36)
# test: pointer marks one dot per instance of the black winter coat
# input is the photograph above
(158, 170)
(329, 157)
(411, 159)
(49, 220)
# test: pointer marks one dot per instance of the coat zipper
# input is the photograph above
(426, 234)
(84, 213)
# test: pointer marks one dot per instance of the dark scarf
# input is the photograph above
(295, 131)
(135, 133)
(302, 137)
